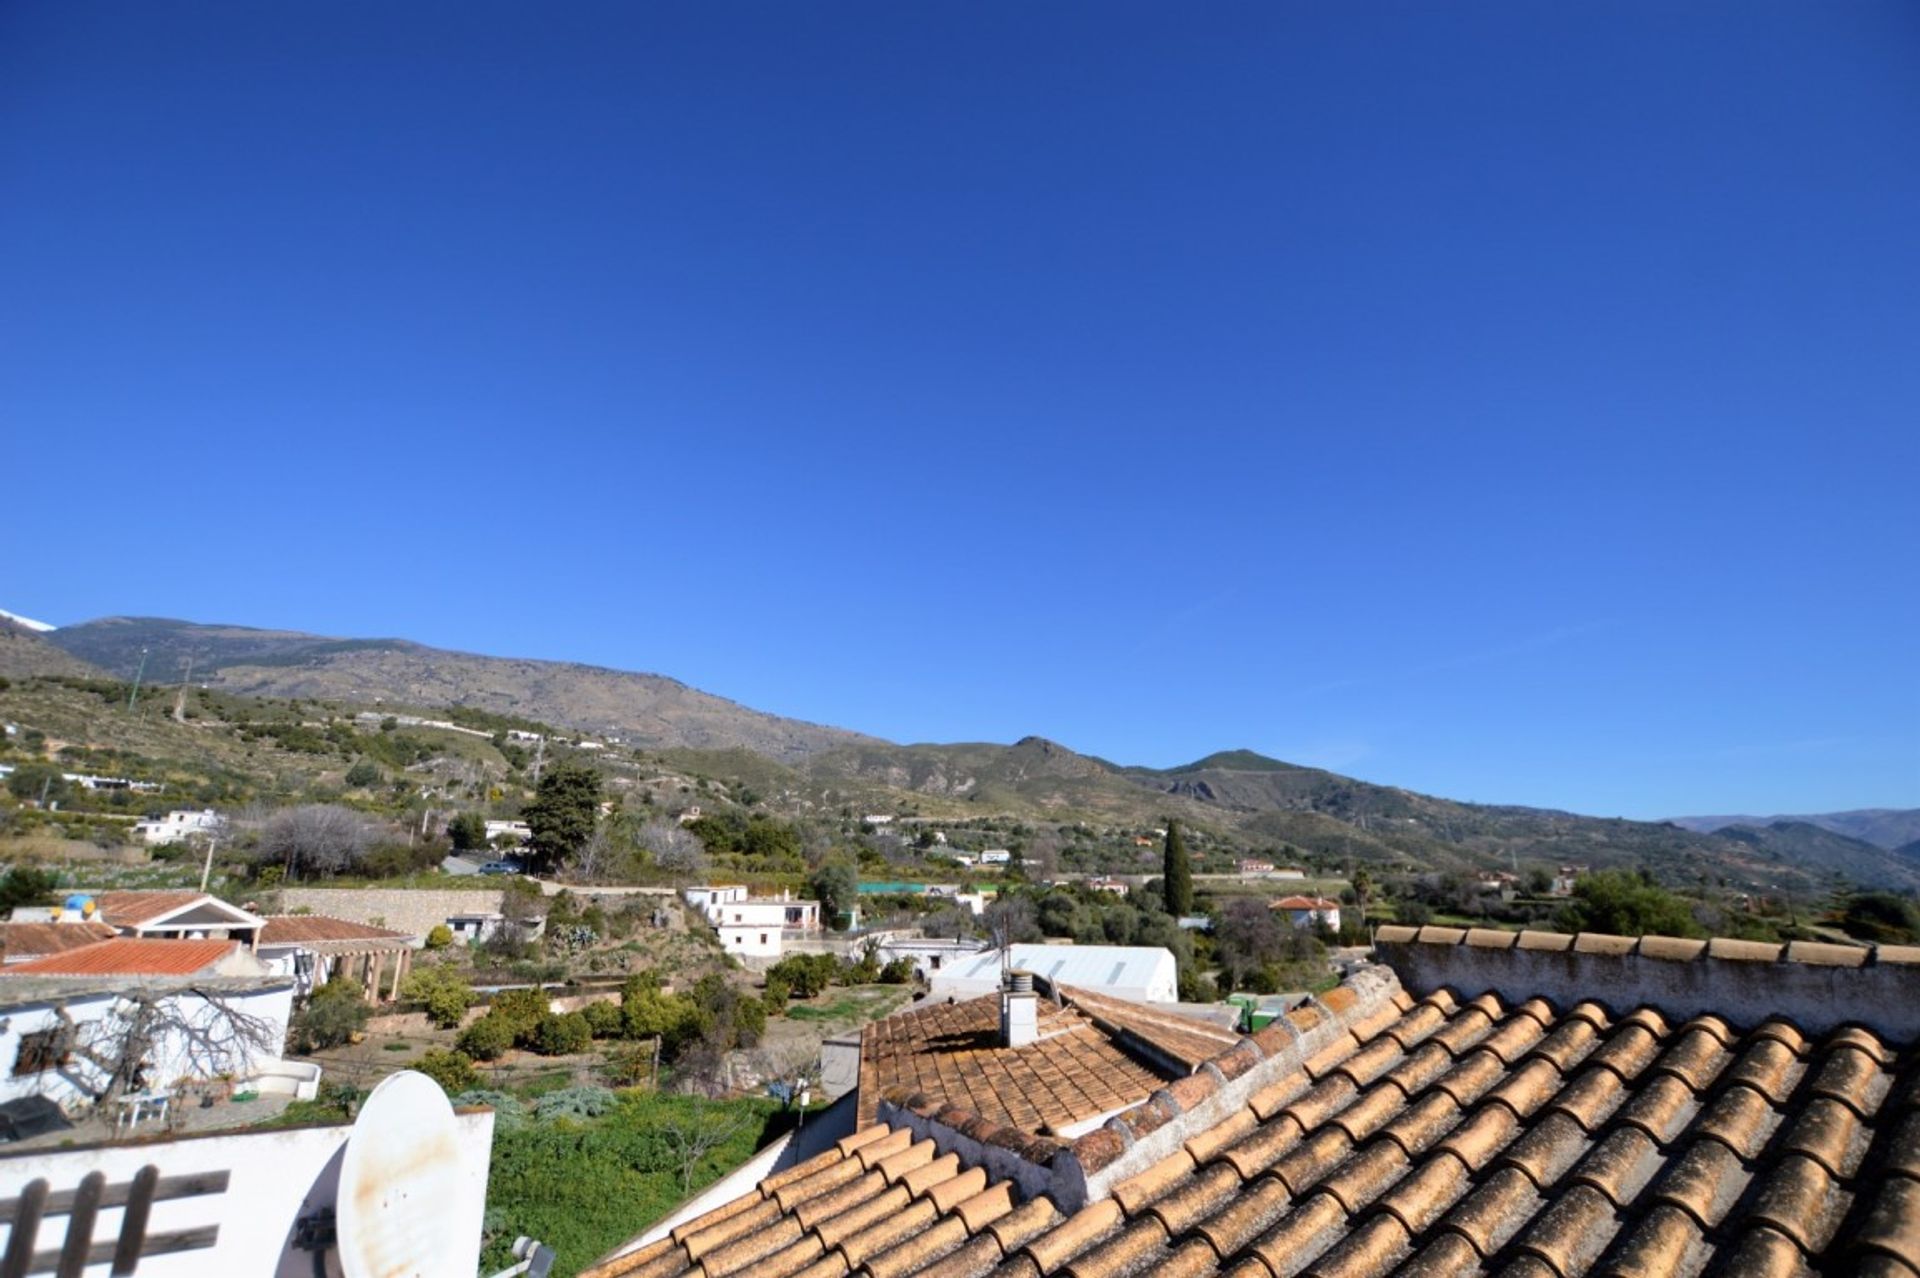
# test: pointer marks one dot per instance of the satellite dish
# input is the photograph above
(404, 1192)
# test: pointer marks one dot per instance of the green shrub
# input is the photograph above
(897, 972)
(522, 1011)
(439, 937)
(605, 1020)
(806, 975)
(508, 1110)
(454, 1071)
(334, 1013)
(776, 994)
(573, 1102)
(445, 993)
(487, 1039)
(562, 1035)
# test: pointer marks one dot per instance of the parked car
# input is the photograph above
(503, 867)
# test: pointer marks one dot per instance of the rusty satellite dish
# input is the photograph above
(402, 1185)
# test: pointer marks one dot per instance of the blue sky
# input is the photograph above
(1514, 402)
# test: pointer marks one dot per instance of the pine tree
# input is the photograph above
(563, 813)
(1178, 874)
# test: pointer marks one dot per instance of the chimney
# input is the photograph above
(1019, 1010)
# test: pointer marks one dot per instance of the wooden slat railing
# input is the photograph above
(24, 1216)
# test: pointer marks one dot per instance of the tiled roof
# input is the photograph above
(129, 956)
(131, 909)
(1183, 1042)
(31, 940)
(1372, 1135)
(320, 929)
(1305, 903)
(953, 1051)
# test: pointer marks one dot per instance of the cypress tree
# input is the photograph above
(1178, 873)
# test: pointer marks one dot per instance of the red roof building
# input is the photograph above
(141, 956)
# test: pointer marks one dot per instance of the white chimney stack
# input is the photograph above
(1019, 1010)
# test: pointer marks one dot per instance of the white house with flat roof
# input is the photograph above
(177, 826)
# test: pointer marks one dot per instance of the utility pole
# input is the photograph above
(180, 702)
(206, 871)
(137, 675)
(539, 756)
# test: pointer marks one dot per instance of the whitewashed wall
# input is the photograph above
(275, 1177)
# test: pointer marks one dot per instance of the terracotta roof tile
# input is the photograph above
(1704, 1182)
(1893, 1226)
(22, 941)
(309, 929)
(1371, 1249)
(1766, 1253)
(1135, 1248)
(1245, 1217)
(1495, 1211)
(1620, 1166)
(1740, 1119)
(131, 909)
(1592, 1097)
(129, 956)
(1420, 1199)
(1665, 1241)
(1459, 1139)
(1801, 1200)
(1570, 1235)
(1309, 1229)
(1075, 1071)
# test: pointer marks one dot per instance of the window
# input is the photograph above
(763, 938)
(41, 1050)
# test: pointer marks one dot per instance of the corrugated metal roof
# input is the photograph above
(1099, 967)
(129, 956)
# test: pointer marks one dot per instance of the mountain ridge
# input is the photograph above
(1263, 801)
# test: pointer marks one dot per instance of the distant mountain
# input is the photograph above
(1803, 843)
(645, 710)
(24, 623)
(26, 652)
(1265, 800)
(1882, 827)
(1258, 801)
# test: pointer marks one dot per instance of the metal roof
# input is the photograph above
(1099, 967)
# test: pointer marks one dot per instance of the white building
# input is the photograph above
(710, 899)
(928, 954)
(996, 856)
(753, 926)
(750, 940)
(1305, 911)
(55, 1030)
(251, 1186)
(177, 827)
(173, 914)
(1139, 973)
(517, 831)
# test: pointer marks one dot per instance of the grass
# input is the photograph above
(861, 1003)
(583, 1187)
